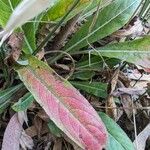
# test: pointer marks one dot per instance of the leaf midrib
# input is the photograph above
(58, 97)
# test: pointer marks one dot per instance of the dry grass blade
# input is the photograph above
(142, 137)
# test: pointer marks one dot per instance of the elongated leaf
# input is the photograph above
(29, 29)
(118, 140)
(6, 95)
(114, 144)
(137, 51)
(6, 10)
(83, 75)
(4, 105)
(140, 141)
(141, 44)
(95, 88)
(95, 63)
(62, 6)
(29, 37)
(54, 129)
(23, 103)
(110, 19)
(66, 107)
(12, 134)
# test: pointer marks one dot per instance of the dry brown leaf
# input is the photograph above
(75, 146)
(134, 29)
(111, 111)
(126, 101)
(38, 125)
(15, 43)
(114, 81)
(58, 144)
(111, 108)
(32, 131)
(42, 114)
(127, 104)
(40, 54)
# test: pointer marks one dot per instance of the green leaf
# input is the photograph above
(118, 140)
(4, 105)
(95, 64)
(83, 75)
(110, 19)
(114, 144)
(136, 51)
(6, 95)
(29, 36)
(23, 103)
(144, 11)
(95, 88)
(61, 7)
(54, 129)
(6, 10)
(141, 44)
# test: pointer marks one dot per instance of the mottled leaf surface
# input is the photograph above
(66, 107)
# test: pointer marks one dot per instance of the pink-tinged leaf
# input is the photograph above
(15, 136)
(70, 111)
(12, 134)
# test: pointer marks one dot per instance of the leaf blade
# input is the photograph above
(23, 103)
(136, 51)
(118, 14)
(69, 110)
(12, 134)
(117, 133)
(95, 88)
(6, 96)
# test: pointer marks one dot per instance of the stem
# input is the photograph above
(55, 28)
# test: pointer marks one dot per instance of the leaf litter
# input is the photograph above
(129, 90)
